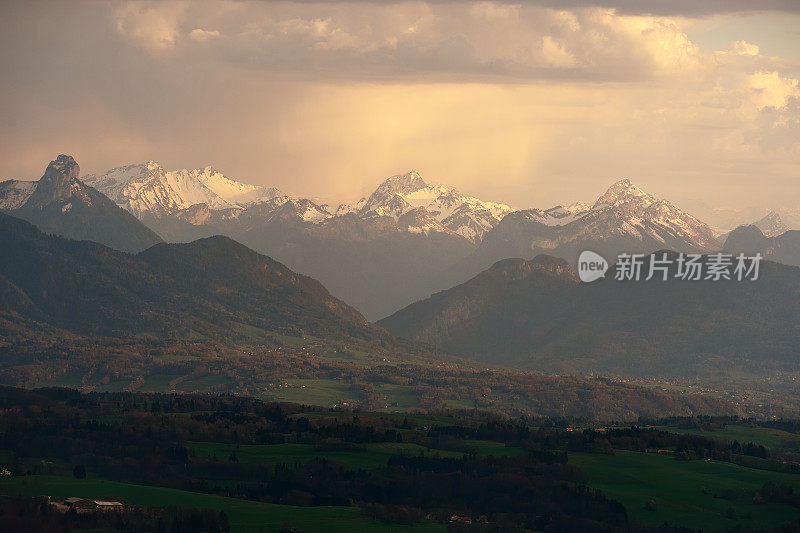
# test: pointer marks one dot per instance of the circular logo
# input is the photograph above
(591, 266)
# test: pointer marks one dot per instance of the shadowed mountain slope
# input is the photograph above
(783, 248)
(537, 315)
(214, 287)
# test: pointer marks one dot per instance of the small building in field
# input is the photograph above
(106, 504)
(85, 504)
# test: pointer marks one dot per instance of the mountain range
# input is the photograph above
(536, 314)
(398, 246)
(624, 219)
(62, 204)
(214, 315)
(404, 241)
(206, 197)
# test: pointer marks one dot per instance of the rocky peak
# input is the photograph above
(402, 184)
(771, 225)
(577, 207)
(56, 183)
(420, 220)
(623, 191)
(63, 165)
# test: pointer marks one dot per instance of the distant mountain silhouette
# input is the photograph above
(783, 248)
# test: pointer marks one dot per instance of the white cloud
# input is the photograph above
(155, 26)
(201, 35)
(509, 100)
(473, 40)
(743, 48)
(772, 90)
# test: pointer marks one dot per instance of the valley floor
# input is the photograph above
(274, 467)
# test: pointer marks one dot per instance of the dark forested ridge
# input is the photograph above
(213, 288)
(536, 314)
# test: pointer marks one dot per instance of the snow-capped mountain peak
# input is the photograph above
(233, 192)
(406, 202)
(147, 189)
(454, 212)
(623, 191)
(625, 209)
(771, 225)
(401, 184)
(14, 193)
(577, 207)
(112, 182)
(623, 219)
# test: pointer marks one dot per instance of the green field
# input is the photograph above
(244, 515)
(202, 383)
(147, 434)
(70, 379)
(398, 397)
(157, 382)
(324, 392)
(770, 438)
(496, 449)
(392, 418)
(114, 385)
(687, 493)
(459, 403)
(166, 358)
(372, 455)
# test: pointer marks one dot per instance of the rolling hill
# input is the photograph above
(208, 288)
(535, 314)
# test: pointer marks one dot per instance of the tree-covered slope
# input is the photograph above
(534, 314)
(209, 288)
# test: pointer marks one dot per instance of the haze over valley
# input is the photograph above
(325, 266)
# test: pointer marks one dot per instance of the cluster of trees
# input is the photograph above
(147, 438)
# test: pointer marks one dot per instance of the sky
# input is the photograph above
(531, 103)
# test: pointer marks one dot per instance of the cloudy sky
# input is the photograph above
(528, 103)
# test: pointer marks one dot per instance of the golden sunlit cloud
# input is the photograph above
(518, 102)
